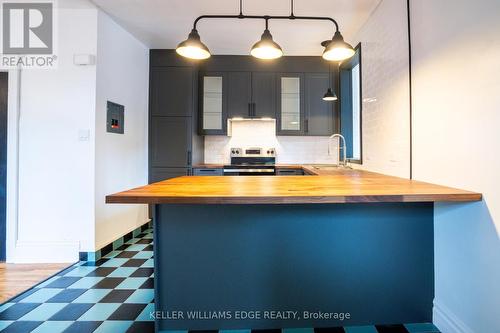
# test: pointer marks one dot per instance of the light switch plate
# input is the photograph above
(83, 135)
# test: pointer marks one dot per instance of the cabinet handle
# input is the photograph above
(250, 109)
(306, 125)
(254, 112)
(189, 157)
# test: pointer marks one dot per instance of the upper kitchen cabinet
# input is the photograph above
(235, 94)
(239, 94)
(172, 91)
(289, 90)
(251, 95)
(263, 95)
(290, 104)
(213, 103)
(320, 117)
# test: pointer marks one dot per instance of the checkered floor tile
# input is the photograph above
(115, 295)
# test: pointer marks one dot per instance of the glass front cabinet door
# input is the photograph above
(213, 106)
(290, 104)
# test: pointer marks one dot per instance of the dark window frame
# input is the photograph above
(346, 68)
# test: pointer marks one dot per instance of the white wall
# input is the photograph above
(121, 159)
(289, 149)
(56, 180)
(456, 85)
(385, 89)
(56, 174)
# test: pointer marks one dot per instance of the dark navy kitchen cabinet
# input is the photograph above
(319, 113)
(159, 174)
(213, 103)
(290, 115)
(263, 95)
(170, 141)
(289, 89)
(208, 172)
(174, 143)
(172, 91)
(239, 94)
(244, 95)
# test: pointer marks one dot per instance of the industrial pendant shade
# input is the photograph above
(192, 47)
(330, 96)
(336, 49)
(266, 48)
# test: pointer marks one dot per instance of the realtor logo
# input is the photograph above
(28, 28)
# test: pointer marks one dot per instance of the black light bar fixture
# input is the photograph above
(336, 49)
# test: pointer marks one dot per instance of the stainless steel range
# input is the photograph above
(251, 162)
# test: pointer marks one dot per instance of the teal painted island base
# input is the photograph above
(280, 266)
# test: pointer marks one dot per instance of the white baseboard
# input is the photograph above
(446, 321)
(32, 252)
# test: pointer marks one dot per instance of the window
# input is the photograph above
(351, 107)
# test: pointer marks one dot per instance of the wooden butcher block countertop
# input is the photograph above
(326, 184)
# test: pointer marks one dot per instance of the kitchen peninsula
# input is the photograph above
(339, 241)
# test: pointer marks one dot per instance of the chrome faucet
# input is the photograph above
(344, 159)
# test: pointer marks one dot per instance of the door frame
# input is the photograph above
(3, 141)
(13, 120)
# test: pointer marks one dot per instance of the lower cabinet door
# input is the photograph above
(289, 172)
(159, 174)
(170, 142)
(208, 172)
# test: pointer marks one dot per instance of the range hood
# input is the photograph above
(251, 119)
(248, 121)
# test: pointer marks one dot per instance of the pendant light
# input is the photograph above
(336, 49)
(266, 48)
(192, 47)
(329, 96)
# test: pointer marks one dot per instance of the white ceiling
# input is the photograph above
(165, 23)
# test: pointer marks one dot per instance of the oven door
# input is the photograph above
(249, 171)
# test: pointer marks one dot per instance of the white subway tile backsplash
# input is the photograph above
(289, 149)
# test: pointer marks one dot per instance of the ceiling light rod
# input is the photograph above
(267, 17)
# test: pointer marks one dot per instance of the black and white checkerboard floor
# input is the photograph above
(115, 295)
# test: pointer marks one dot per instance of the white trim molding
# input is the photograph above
(13, 115)
(446, 321)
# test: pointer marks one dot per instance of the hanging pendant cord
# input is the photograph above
(330, 74)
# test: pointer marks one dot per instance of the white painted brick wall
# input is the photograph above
(385, 64)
